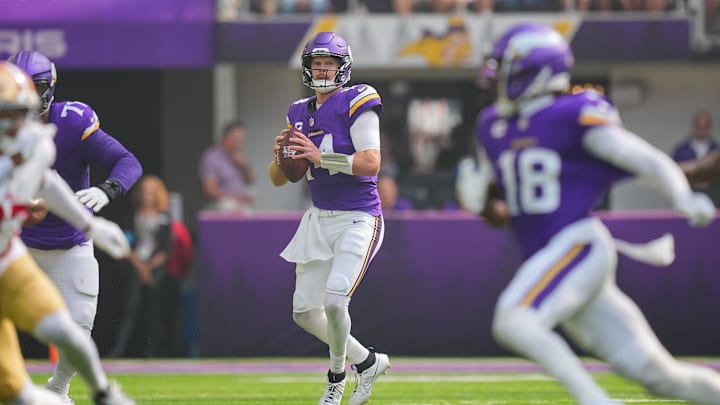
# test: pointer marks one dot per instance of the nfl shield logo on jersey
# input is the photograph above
(498, 129)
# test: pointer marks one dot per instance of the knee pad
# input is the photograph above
(300, 303)
(338, 283)
(83, 312)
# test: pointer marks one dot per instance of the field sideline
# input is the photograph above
(290, 381)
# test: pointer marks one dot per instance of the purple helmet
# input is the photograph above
(42, 71)
(327, 44)
(533, 60)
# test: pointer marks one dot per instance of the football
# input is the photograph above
(294, 169)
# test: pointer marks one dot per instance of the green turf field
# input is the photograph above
(400, 387)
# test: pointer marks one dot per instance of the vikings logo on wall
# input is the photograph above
(448, 49)
(437, 41)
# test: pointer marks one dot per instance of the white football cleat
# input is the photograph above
(66, 400)
(112, 395)
(366, 379)
(61, 391)
(41, 396)
(333, 393)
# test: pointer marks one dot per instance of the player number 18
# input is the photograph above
(534, 187)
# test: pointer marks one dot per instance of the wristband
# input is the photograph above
(337, 161)
(111, 187)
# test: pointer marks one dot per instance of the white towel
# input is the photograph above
(308, 243)
(659, 252)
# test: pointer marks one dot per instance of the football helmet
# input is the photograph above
(532, 60)
(42, 71)
(18, 99)
(327, 44)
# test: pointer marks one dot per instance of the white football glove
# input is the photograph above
(93, 198)
(471, 184)
(109, 237)
(697, 207)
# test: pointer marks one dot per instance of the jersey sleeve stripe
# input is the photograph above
(362, 101)
(589, 120)
(90, 130)
(365, 92)
(557, 272)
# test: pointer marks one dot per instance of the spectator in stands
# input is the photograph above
(304, 6)
(388, 191)
(525, 5)
(226, 175)
(645, 5)
(700, 140)
(589, 5)
(712, 18)
(696, 146)
(271, 7)
(267, 7)
(422, 6)
(150, 317)
(461, 143)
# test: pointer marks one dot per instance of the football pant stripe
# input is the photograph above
(555, 274)
(368, 255)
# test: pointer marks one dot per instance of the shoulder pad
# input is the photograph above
(361, 97)
(78, 116)
(596, 110)
(301, 101)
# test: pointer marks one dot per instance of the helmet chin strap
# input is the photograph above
(505, 107)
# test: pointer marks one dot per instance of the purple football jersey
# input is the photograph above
(329, 129)
(80, 143)
(549, 180)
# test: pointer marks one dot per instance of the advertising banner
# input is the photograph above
(106, 10)
(97, 45)
(92, 34)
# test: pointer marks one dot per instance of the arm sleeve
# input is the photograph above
(633, 154)
(365, 131)
(104, 151)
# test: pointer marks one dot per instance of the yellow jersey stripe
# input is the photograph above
(90, 131)
(362, 101)
(587, 119)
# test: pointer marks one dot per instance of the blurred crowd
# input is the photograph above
(231, 9)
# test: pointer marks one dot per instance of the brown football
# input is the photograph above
(294, 169)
